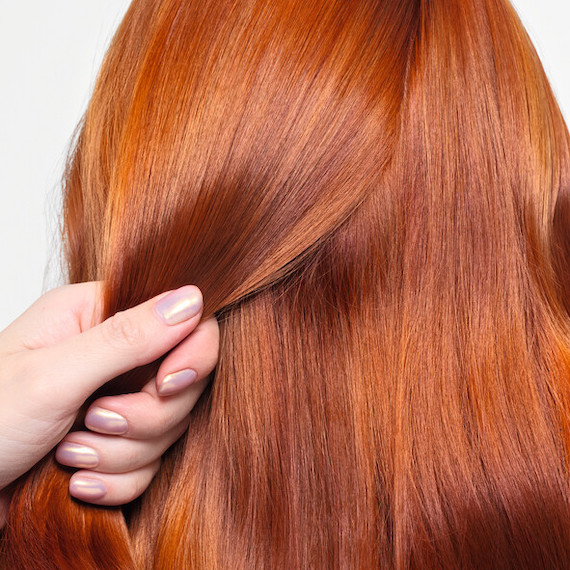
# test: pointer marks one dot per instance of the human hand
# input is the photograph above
(52, 359)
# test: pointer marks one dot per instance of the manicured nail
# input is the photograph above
(180, 305)
(76, 455)
(105, 421)
(177, 381)
(87, 489)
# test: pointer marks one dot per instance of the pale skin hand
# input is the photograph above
(58, 353)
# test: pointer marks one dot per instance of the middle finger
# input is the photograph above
(113, 454)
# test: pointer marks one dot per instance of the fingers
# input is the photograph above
(75, 367)
(117, 469)
(112, 489)
(142, 415)
(147, 413)
(131, 431)
(110, 454)
(56, 357)
(197, 353)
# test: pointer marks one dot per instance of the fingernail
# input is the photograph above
(87, 489)
(105, 421)
(76, 455)
(179, 305)
(176, 381)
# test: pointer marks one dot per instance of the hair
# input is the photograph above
(374, 198)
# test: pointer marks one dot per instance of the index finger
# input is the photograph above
(75, 367)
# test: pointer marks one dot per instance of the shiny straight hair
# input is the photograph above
(374, 197)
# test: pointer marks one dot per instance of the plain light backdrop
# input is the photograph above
(49, 56)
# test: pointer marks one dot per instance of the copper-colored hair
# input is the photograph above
(374, 197)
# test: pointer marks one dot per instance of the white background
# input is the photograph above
(50, 52)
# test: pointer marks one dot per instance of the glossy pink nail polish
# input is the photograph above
(180, 305)
(177, 381)
(76, 455)
(87, 489)
(105, 421)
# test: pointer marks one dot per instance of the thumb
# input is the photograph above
(75, 367)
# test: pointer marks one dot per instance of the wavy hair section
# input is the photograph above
(373, 197)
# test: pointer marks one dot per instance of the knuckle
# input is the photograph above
(123, 331)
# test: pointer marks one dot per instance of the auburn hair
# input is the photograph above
(374, 198)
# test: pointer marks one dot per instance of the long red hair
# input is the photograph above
(373, 196)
